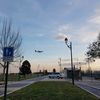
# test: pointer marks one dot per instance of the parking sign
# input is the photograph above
(8, 53)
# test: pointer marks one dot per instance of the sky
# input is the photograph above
(44, 24)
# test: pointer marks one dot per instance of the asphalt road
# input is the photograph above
(91, 86)
(13, 86)
(92, 90)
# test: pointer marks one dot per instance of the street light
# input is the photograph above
(70, 47)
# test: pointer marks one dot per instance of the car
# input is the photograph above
(55, 76)
(62, 76)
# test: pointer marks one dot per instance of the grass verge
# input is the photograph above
(51, 91)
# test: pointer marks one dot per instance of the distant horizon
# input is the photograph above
(36, 68)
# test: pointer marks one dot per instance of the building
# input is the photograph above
(77, 73)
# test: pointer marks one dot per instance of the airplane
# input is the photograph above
(38, 51)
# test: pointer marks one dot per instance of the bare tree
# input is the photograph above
(9, 38)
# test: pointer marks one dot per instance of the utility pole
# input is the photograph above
(59, 62)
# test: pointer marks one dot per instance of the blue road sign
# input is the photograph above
(8, 53)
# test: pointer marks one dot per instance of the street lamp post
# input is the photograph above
(70, 47)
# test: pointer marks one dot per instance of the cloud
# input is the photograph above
(63, 28)
(89, 31)
(60, 36)
(87, 36)
(62, 32)
(95, 19)
(86, 33)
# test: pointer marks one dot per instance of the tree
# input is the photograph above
(93, 52)
(9, 38)
(45, 72)
(89, 72)
(25, 68)
(94, 49)
(54, 70)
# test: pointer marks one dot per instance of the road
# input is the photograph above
(13, 86)
(91, 86)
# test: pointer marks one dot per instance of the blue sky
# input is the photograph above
(44, 24)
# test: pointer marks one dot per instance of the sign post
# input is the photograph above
(8, 53)
(6, 81)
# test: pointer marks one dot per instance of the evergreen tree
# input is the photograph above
(25, 68)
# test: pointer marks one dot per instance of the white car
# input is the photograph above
(55, 76)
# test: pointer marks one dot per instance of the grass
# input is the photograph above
(51, 91)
